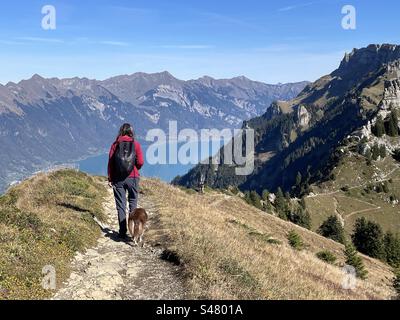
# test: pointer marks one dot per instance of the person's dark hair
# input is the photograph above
(125, 130)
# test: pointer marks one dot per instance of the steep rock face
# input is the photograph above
(391, 94)
(210, 102)
(304, 117)
(45, 121)
(362, 61)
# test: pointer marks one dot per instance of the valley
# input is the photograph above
(52, 121)
(335, 145)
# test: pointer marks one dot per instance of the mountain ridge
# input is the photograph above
(47, 121)
(305, 131)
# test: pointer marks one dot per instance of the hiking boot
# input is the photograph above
(123, 236)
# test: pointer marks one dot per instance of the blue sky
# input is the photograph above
(270, 41)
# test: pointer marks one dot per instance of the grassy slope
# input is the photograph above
(231, 250)
(44, 221)
(358, 201)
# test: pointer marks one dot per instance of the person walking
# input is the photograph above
(125, 161)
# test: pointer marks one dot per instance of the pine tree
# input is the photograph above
(279, 193)
(301, 217)
(393, 129)
(247, 197)
(332, 229)
(265, 195)
(267, 204)
(255, 199)
(303, 203)
(379, 129)
(354, 260)
(396, 154)
(281, 205)
(392, 249)
(375, 151)
(368, 238)
(382, 151)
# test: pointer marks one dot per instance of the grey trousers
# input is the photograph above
(130, 185)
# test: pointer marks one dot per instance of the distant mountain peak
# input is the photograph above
(242, 78)
(37, 77)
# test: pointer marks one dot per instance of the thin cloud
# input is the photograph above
(37, 39)
(297, 6)
(187, 46)
(115, 43)
(8, 42)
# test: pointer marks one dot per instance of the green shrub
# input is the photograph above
(391, 245)
(264, 237)
(326, 256)
(281, 205)
(396, 155)
(295, 240)
(354, 260)
(345, 189)
(332, 229)
(392, 125)
(255, 199)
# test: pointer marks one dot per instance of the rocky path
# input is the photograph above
(117, 270)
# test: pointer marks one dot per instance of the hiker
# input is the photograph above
(125, 161)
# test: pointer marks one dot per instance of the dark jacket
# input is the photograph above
(139, 158)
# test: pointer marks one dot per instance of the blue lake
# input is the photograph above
(97, 165)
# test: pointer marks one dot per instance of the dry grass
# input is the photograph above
(44, 221)
(359, 201)
(231, 250)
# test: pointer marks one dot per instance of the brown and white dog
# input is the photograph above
(136, 224)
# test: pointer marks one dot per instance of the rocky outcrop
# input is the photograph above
(391, 94)
(304, 117)
(362, 61)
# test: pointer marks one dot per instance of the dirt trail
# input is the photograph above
(117, 270)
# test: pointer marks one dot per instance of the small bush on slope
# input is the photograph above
(295, 240)
(326, 256)
(354, 260)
